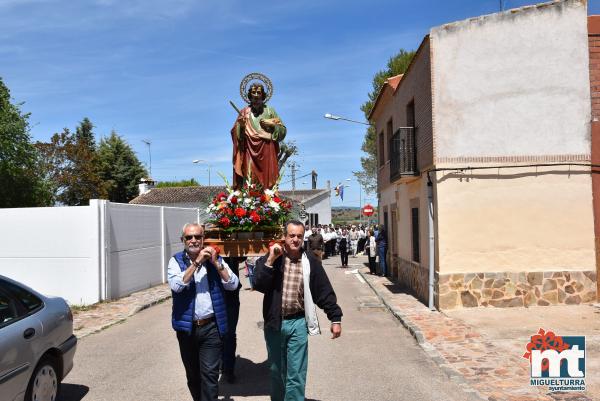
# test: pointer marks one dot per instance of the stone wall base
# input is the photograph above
(515, 289)
(414, 277)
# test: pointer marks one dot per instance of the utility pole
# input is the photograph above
(293, 176)
(148, 142)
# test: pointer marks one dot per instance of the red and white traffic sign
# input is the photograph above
(368, 210)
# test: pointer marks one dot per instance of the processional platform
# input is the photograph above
(242, 243)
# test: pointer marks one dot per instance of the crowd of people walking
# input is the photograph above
(328, 240)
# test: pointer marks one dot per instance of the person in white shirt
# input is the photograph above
(362, 238)
(326, 237)
(353, 240)
(198, 278)
(307, 233)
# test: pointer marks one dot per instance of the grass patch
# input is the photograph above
(85, 308)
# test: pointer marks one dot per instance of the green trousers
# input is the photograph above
(288, 357)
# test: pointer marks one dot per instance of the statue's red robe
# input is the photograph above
(255, 149)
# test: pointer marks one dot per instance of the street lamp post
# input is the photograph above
(336, 118)
(359, 199)
(207, 163)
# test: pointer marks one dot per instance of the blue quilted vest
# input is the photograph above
(184, 302)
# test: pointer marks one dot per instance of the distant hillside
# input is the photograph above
(348, 215)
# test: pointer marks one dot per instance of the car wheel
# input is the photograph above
(44, 382)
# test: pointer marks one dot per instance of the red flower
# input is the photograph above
(545, 340)
(263, 198)
(234, 199)
(254, 194)
(277, 199)
(224, 221)
(239, 212)
(221, 196)
(217, 249)
(228, 211)
(254, 217)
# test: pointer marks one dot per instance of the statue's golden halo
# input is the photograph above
(251, 78)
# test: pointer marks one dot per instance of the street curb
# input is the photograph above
(93, 330)
(429, 349)
(411, 327)
(147, 305)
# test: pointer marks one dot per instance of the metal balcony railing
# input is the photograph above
(403, 153)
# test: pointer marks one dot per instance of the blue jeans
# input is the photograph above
(381, 250)
(288, 357)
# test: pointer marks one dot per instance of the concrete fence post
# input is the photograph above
(100, 256)
(163, 244)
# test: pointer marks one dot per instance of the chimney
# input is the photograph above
(146, 184)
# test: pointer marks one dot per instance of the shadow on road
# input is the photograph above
(252, 380)
(72, 392)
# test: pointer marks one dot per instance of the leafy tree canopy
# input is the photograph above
(20, 183)
(71, 164)
(119, 169)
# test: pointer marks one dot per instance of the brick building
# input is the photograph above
(484, 161)
(594, 46)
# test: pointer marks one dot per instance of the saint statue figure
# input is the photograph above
(256, 135)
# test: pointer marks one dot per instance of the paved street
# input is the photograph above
(375, 359)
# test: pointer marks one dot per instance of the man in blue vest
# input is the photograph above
(198, 277)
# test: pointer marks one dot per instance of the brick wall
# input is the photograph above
(414, 86)
(594, 44)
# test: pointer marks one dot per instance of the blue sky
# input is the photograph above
(164, 70)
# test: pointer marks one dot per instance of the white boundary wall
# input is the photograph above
(86, 254)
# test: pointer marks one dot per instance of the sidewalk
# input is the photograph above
(105, 314)
(484, 346)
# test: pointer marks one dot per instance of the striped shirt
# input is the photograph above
(292, 297)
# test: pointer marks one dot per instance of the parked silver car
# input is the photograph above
(37, 344)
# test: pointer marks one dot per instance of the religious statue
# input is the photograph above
(256, 134)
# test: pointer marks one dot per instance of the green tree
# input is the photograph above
(286, 150)
(20, 184)
(183, 183)
(86, 182)
(54, 161)
(71, 163)
(119, 168)
(397, 64)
